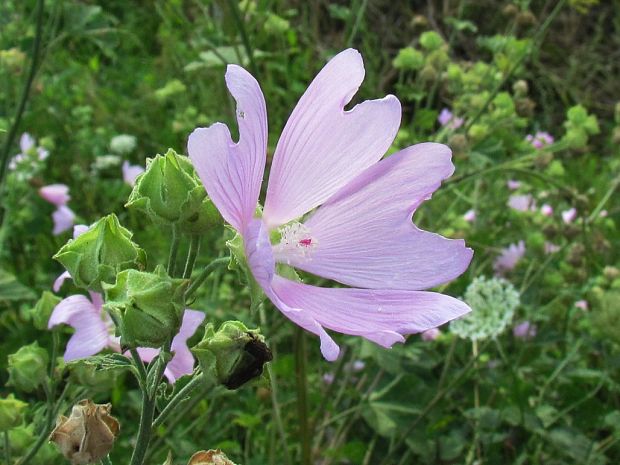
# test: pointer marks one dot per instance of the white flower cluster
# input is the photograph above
(493, 302)
(123, 144)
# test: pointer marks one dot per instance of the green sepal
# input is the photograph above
(11, 410)
(96, 256)
(149, 305)
(28, 367)
(239, 263)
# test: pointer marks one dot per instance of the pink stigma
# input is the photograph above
(306, 242)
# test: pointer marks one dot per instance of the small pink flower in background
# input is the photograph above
(550, 248)
(361, 234)
(603, 213)
(568, 216)
(328, 378)
(63, 216)
(540, 139)
(446, 118)
(525, 330)
(56, 194)
(470, 216)
(546, 210)
(508, 258)
(582, 305)
(131, 172)
(513, 185)
(27, 143)
(431, 334)
(522, 203)
(358, 366)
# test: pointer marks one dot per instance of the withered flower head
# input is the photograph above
(209, 457)
(88, 434)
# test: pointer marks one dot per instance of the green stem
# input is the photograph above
(234, 9)
(7, 448)
(106, 460)
(181, 397)
(305, 435)
(47, 429)
(356, 25)
(140, 367)
(204, 274)
(144, 430)
(36, 49)
(174, 249)
(194, 248)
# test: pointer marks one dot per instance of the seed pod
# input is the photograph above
(209, 457)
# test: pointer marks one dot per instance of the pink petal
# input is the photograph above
(59, 281)
(322, 146)
(381, 316)
(56, 194)
(364, 234)
(79, 229)
(232, 172)
(91, 333)
(182, 362)
(63, 219)
(131, 172)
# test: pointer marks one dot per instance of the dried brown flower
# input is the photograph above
(209, 457)
(88, 434)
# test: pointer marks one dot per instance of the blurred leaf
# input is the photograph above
(13, 290)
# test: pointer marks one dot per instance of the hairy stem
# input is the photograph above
(200, 279)
(180, 398)
(305, 435)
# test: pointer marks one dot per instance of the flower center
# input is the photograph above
(295, 241)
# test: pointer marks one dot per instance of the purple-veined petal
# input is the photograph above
(56, 194)
(26, 142)
(381, 316)
(363, 236)
(232, 172)
(63, 218)
(261, 261)
(322, 146)
(91, 333)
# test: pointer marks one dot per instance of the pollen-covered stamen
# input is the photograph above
(295, 240)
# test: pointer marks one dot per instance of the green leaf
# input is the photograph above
(11, 289)
(105, 362)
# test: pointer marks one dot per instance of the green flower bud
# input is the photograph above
(42, 311)
(408, 59)
(150, 306)
(169, 190)
(206, 218)
(28, 367)
(11, 412)
(430, 40)
(276, 25)
(428, 73)
(96, 256)
(233, 355)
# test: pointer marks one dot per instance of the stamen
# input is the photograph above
(296, 241)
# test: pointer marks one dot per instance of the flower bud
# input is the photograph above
(96, 256)
(169, 191)
(11, 412)
(42, 311)
(209, 457)
(206, 218)
(233, 355)
(28, 367)
(150, 306)
(408, 58)
(88, 434)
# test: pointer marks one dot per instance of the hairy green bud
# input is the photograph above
(96, 256)
(42, 311)
(11, 412)
(232, 355)
(28, 367)
(149, 305)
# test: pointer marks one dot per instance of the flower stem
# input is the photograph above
(194, 248)
(7, 448)
(174, 249)
(305, 434)
(200, 279)
(144, 430)
(183, 395)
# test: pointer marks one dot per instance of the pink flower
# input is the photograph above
(582, 305)
(470, 216)
(431, 334)
(361, 235)
(540, 139)
(546, 210)
(508, 258)
(328, 378)
(446, 118)
(94, 332)
(522, 203)
(58, 195)
(603, 213)
(568, 216)
(513, 185)
(27, 144)
(131, 172)
(525, 330)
